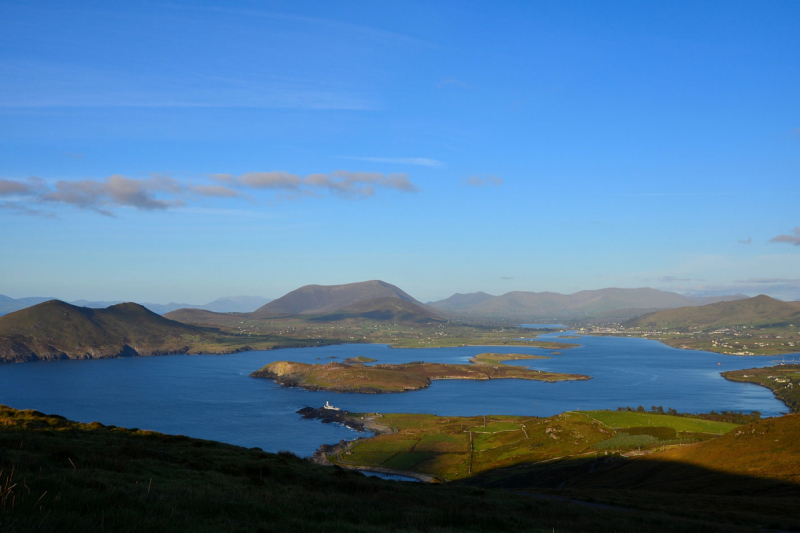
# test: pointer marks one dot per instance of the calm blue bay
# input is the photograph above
(212, 397)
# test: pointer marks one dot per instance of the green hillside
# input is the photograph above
(58, 330)
(388, 309)
(62, 476)
(67, 477)
(749, 476)
(758, 311)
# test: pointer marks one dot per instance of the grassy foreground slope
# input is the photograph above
(766, 454)
(454, 448)
(630, 419)
(57, 475)
(750, 475)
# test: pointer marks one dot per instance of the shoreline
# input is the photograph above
(666, 342)
(126, 352)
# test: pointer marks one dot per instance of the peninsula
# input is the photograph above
(782, 379)
(384, 378)
(754, 326)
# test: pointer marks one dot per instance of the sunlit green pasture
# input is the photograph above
(630, 419)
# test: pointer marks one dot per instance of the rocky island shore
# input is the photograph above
(390, 378)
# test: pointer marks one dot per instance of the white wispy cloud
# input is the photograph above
(32, 84)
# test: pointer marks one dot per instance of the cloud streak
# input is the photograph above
(767, 280)
(788, 239)
(28, 187)
(159, 193)
(115, 191)
(342, 183)
(8, 188)
(217, 191)
(488, 181)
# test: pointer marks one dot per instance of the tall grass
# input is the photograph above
(623, 441)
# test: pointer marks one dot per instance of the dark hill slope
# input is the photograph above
(58, 330)
(321, 299)
(392, 310)
(759, 311)
(749, 476)
(765, 454)
(62, 476)
(583, 304)
(460, 301)
(207, 318)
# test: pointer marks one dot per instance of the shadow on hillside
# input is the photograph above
(674, 488)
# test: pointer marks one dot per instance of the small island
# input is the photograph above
(360, 359)
(386, 378)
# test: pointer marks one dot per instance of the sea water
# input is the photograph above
(213, 397)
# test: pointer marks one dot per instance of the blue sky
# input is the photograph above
(185, 151)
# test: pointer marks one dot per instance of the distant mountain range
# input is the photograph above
(758, 311)
(58, 330)
(335, 301)
(603, 303)
(228, 304)
(9, 305)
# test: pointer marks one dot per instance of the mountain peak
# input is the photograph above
(321, 299)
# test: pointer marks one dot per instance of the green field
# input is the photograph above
(452, 448)
(496, 427)
(628, 419)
